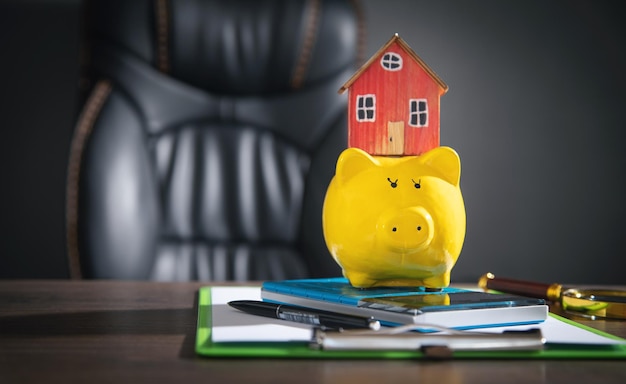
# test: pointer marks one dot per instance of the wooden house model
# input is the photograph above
(393, 101)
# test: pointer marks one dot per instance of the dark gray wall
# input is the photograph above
(537, 93)
(38, 82)
(536, 111)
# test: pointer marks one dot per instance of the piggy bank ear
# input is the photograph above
(351, 162)
(446, 162)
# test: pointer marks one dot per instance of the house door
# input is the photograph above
(395, 138)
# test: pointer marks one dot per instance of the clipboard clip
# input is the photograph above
(432, 344)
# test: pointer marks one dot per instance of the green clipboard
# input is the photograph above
(205, 347)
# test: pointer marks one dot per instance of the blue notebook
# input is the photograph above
(451, 307)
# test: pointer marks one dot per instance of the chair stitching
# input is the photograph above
(162, 35)
(307, 47)
(84, 128)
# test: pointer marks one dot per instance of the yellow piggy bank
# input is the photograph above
(395, 221)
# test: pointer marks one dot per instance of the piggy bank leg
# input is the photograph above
(437, 282)
(360, 280)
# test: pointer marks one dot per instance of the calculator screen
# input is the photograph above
(424, 302)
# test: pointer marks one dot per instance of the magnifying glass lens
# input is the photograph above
(595, 303)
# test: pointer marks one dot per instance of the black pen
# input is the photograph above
(304, 315)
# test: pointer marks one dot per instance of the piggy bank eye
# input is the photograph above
(416, 184)
(393, 183)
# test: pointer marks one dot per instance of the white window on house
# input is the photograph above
(391, 61)
(366, 108)
(418, 113)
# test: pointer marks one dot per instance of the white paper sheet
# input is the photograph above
(231, 325)
(559, 332)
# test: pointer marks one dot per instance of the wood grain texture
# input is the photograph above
(142, 332)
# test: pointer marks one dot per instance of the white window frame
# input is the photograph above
(365, 108)
(387, 60)
(417, 113)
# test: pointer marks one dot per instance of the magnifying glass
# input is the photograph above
(592, 303)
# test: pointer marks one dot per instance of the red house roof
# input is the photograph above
(395, 39)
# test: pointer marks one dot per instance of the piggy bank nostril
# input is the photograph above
(394, 229)
(419, 228)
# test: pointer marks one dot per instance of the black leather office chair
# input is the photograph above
(208, 138)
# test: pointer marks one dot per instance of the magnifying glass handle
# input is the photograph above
(550, 292)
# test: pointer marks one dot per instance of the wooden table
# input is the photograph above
(136, 332)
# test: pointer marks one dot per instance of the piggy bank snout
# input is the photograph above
(407, 229)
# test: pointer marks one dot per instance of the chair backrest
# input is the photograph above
(208, 138)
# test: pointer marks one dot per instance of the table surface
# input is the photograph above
(112, 331)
